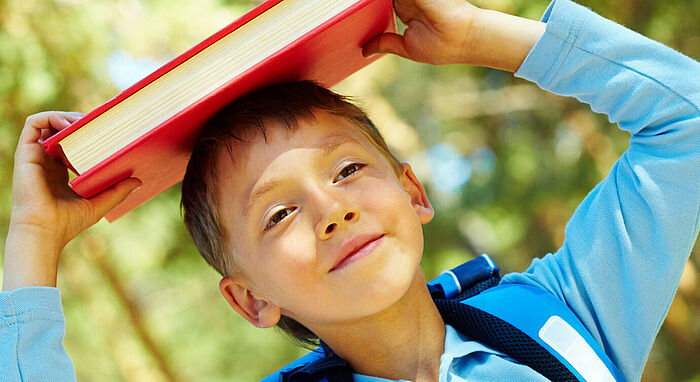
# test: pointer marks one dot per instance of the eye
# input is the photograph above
(278, 216)
(349, 170)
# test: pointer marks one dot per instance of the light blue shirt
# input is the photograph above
(625, 245)
(462, 357)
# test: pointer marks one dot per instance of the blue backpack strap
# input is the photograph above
(310, 357)
(466, 280)
(319, 365)
(534, 327)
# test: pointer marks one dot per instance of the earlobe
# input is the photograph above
(259, 312)
(415, 190)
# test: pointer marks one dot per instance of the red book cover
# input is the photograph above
(327, 55)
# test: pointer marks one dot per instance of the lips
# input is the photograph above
(355, 248)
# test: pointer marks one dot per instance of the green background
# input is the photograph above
(140, 303)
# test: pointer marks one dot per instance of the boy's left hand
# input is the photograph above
(438, 31)
(456, 32)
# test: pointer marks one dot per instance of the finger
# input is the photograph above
(73, 116)
(28, 148)
(33, 126)
(57, 122)
(406, 10)
(45, 134)
(386, 43)
(111, 197)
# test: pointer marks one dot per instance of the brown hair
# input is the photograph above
(286, 103)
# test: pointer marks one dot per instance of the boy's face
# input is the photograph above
(296, 209)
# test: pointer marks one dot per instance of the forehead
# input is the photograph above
(257, 160)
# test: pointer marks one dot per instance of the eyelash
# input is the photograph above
(271, 223)
(358, 165)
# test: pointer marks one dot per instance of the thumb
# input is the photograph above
(385, 43)
(111, 197)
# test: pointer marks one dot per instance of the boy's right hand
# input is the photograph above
(46, 212)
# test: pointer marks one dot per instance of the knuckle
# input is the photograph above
(30, 120)
(33, 119)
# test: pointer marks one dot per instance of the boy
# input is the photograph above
(317, 223)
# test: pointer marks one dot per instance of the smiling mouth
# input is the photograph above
(359, 253)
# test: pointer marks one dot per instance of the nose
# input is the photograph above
(338, 214)
(348, 217)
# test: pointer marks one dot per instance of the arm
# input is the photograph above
(628, 241)
(46, 215)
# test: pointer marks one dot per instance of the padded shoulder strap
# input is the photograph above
(465, 280)
(320, 365)
(534, 327)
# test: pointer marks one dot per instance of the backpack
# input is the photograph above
(527, 323)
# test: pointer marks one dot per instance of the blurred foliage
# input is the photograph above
(140, 303)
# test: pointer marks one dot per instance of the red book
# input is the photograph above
(148, 130)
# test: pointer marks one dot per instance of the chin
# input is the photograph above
(389, 282)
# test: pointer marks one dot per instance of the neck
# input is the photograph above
(404, 341)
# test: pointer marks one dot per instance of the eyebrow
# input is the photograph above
(327, 148)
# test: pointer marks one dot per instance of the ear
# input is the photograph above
(259, 312)
(415, 190)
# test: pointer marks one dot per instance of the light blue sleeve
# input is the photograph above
(32, 326)
(628, 241)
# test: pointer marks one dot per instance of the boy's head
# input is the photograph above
(282, 188)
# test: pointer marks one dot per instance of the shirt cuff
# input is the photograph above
(564, 20)
(29, 299)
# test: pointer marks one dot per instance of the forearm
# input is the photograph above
(30, 259)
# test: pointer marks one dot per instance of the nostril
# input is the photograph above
(330, 228)
(349, 215)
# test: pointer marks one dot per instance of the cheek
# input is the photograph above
(390, 202)
(402, 217)
(289, 262)
(390, 208)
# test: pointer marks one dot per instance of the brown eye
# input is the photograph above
(278, 216)
(349, 170)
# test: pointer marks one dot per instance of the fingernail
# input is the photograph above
(137, 184)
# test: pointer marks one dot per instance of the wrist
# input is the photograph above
(31, 259)
(502, 41)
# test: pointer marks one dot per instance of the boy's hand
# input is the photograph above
(438, 31)
(46, 212)
(455, 32)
